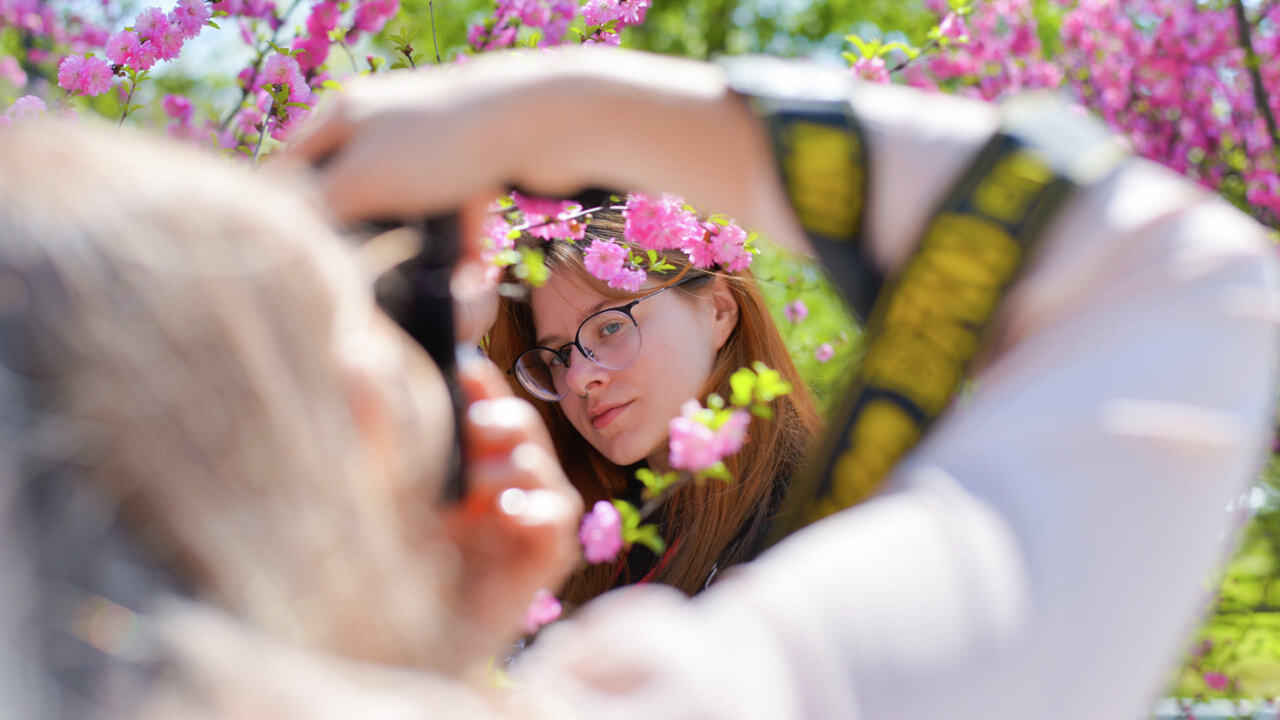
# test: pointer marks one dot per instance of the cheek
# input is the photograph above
(677, 371)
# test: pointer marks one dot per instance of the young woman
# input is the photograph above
(685, 332)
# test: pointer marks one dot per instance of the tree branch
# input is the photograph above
(1251, 64)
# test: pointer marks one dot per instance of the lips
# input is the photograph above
(602, 416)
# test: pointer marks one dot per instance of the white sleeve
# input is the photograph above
(1046, 548)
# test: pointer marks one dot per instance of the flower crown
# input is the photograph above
(651, 225)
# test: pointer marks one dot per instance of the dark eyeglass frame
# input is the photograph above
(565, 352)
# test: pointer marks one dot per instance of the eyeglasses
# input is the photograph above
(609, 338)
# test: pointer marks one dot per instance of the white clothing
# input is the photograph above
(1043, 551)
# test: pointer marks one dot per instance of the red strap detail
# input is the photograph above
(666, 558)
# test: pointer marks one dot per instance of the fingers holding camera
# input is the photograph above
(516, 529)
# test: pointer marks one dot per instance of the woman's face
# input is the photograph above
(624, 413)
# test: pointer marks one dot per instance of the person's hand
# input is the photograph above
(516, 529)
(424, 142)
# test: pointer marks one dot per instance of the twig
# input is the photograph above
(1251, 64)
(128, 101)
(933, 45)
(257, 68)
(431, 10)
(266, 123)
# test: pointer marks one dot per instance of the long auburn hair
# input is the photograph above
(715, 524)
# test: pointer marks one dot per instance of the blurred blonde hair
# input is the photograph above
(182, 320)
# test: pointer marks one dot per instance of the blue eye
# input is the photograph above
(610, 328)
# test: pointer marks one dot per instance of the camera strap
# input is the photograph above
(927, 324)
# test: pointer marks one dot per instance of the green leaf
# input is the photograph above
(715, 402)
(630, 518)
(331, 85)
(215, 25)
(743, 384)
(506, 258)
(771, 384)
(762, 411)
(715, 472)
(859, 44)
(647, 535)
(302, 105)
(532, 268)
(654, 483)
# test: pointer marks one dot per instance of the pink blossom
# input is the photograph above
(1216, 680)
(660, 223)
(154, 29)
(607, 260)
(694, 446)
(125, 48)
(952, 26)
(872, 69)
(796, 311)
(544, 608)
(372, 15)
(177, 107)
(12, 72)
(323, 18)
(546, 217)
(824, 352)
(496, 236)
(190, 17)
(599, 12)
(281, 69)
(601, 533)
(311, 51)
(27, 107)
(81, 75)
(632, 12)
(728, 245)
(69, 73)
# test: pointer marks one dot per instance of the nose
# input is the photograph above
(583, 375)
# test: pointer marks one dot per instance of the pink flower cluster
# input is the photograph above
(80, 75)
(312, 47)
(549, 219)
(660, 223)
(694, 446)
(606, 19)
(372, 15)
(664, 223)
(27, 107)
(154, 36)
(1170, 76)
(282, 71)
(549, 18)
(55, 26)
(997, 51)
(601, 533)
(607, 260)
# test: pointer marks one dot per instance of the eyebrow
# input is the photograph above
(546, 340)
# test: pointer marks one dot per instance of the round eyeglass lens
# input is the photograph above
(610, 339)
(542, 373)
